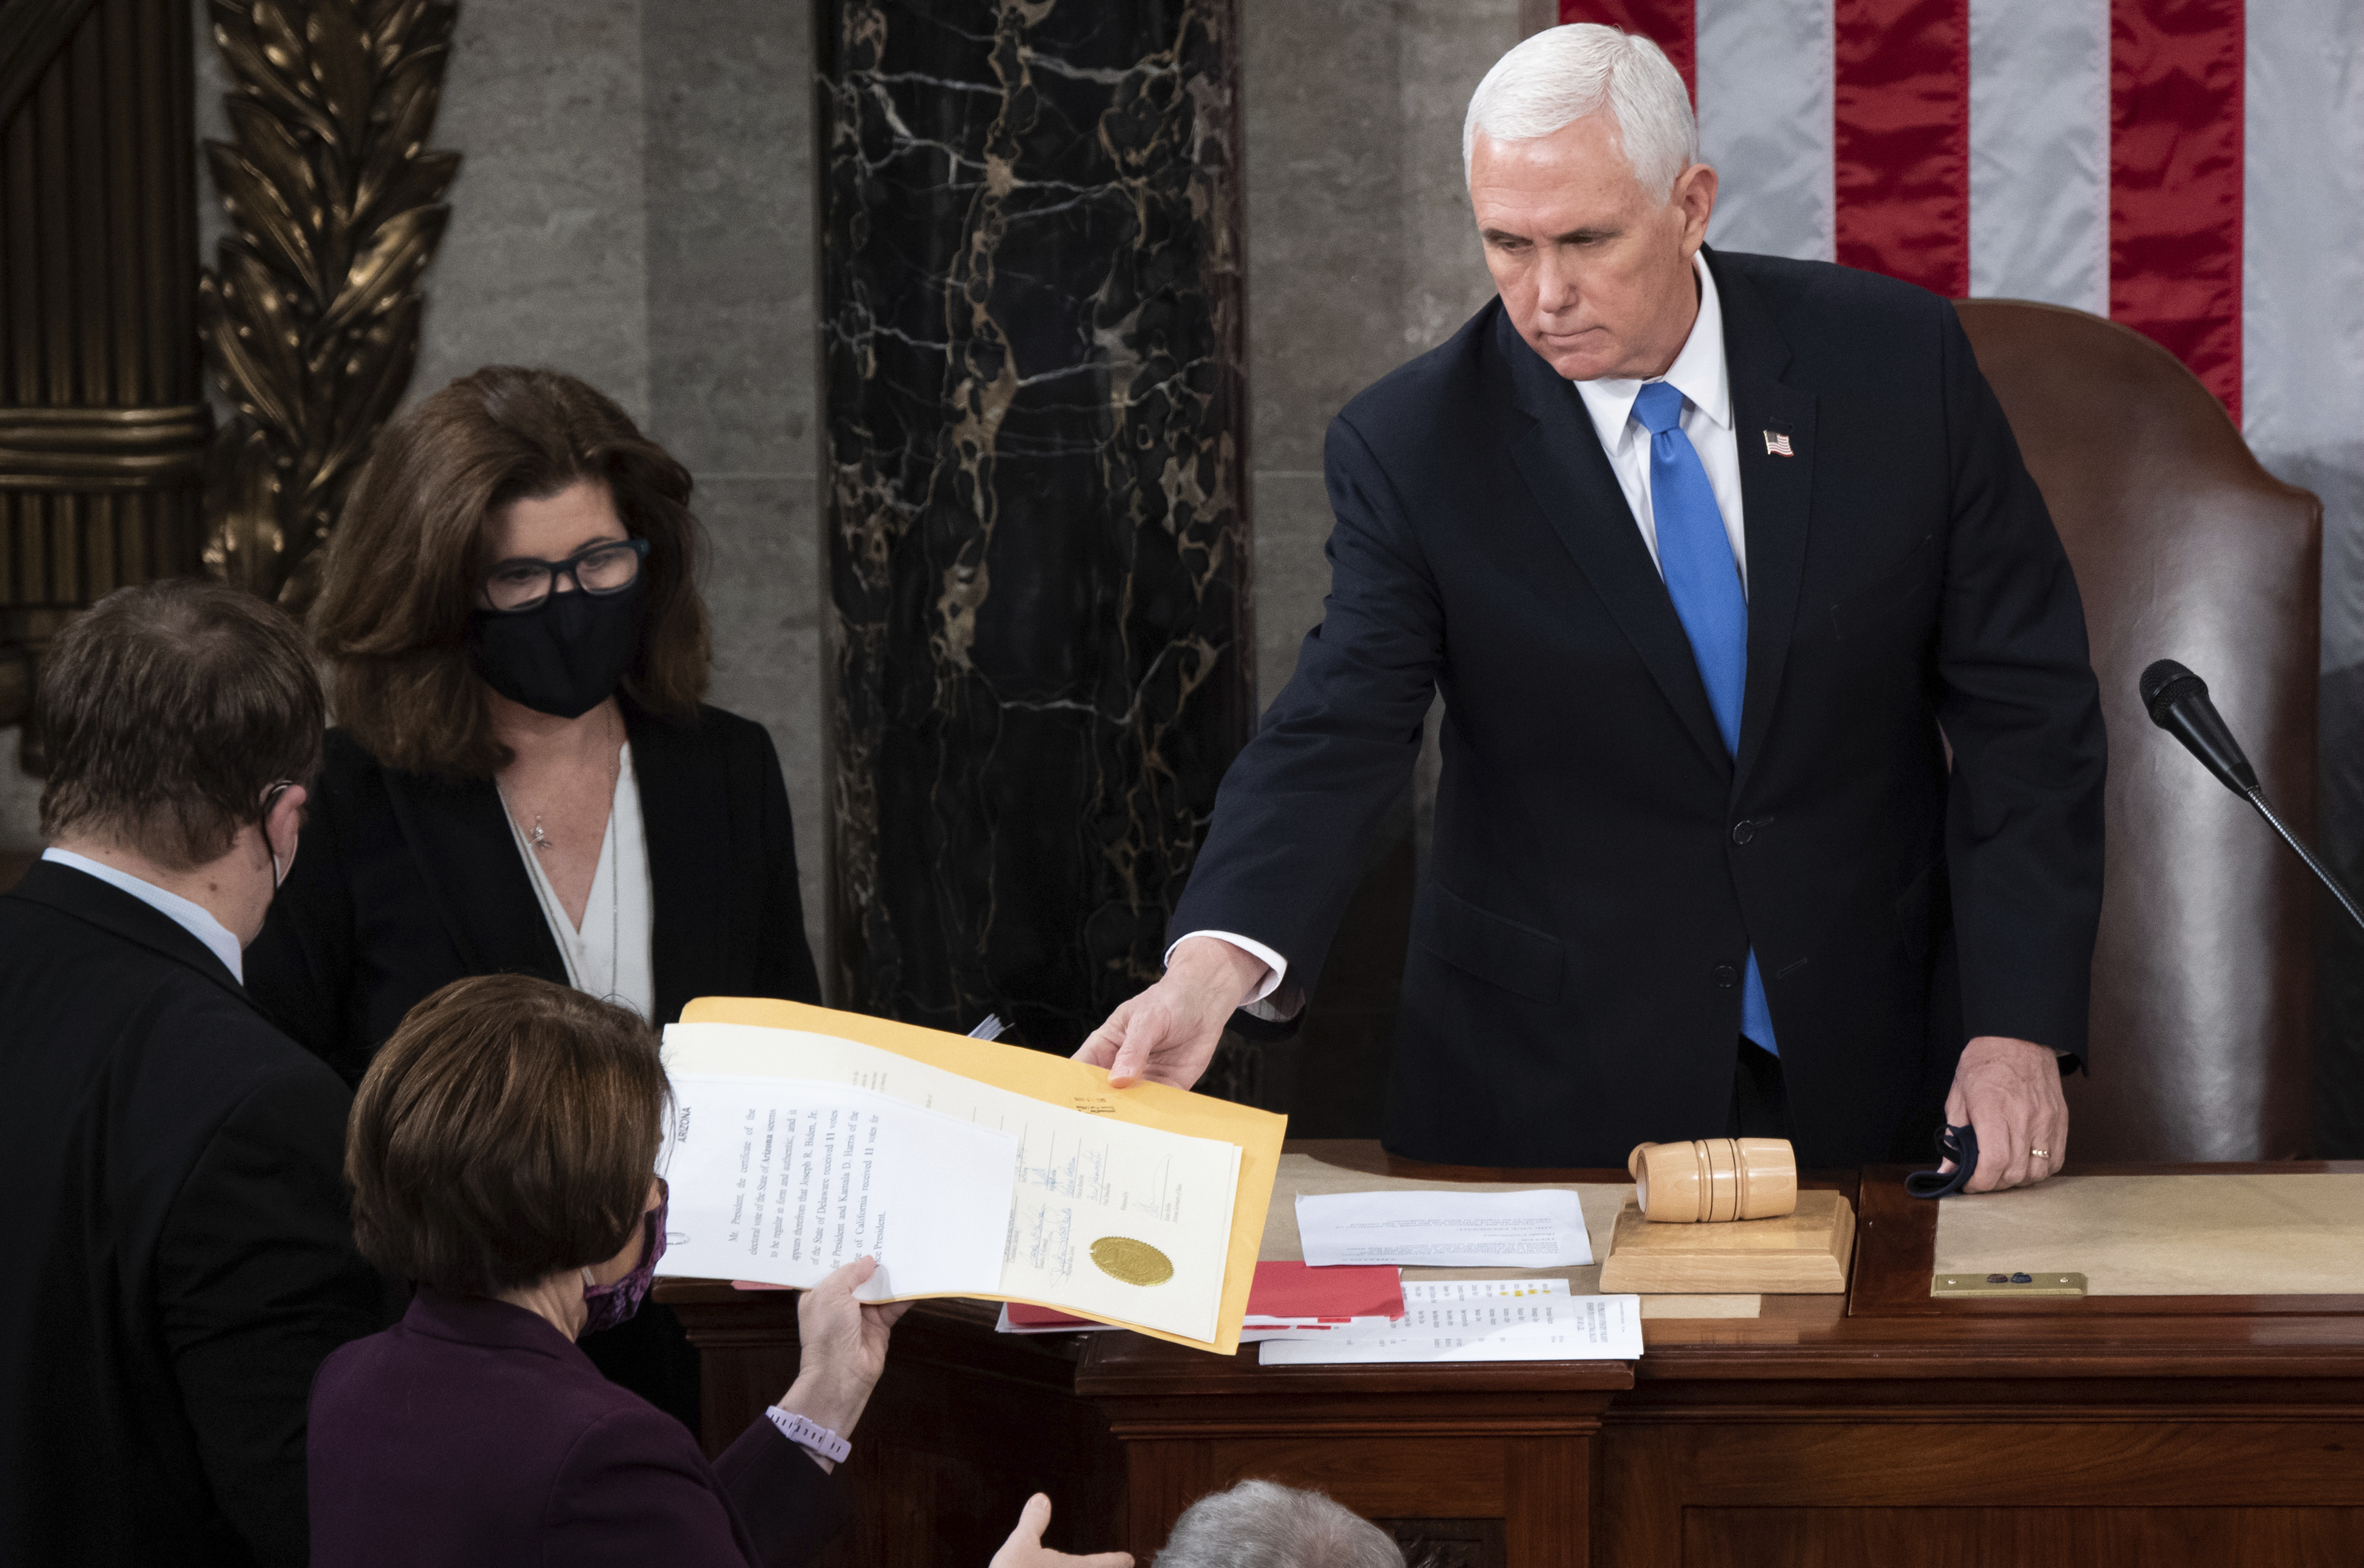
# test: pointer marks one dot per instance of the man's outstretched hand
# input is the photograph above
(1168, 1032)
(1024, 1549)
(2008, 1092)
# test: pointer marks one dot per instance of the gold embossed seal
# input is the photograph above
(1135, 1262)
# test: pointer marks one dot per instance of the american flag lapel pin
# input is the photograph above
(1777, 444)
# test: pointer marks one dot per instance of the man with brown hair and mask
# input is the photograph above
(182, 1262)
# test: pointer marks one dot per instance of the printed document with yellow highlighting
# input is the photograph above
(961, 1187)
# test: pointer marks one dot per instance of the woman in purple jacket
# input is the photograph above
(501, 1153)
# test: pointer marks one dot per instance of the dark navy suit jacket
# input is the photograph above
(475, 1432)
(406, 883)
(1601, 867)
(179, 1258)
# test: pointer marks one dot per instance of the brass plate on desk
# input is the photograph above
(1952, 1287)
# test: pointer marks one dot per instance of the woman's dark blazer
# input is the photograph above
(474, 1432)
(403, 883)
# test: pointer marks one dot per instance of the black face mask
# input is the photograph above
(564, 656)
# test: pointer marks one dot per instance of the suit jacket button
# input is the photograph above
(1725, 976)
(1743, 830)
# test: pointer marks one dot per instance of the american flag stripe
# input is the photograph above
(1766, 124)
(2302, 275)
(2040, 152)
(1900, 159)
(2176, 180)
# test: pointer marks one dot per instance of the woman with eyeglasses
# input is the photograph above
(523, 778)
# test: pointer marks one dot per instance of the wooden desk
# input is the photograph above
(1875, 1429)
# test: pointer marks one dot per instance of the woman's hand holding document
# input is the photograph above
(791, 1150)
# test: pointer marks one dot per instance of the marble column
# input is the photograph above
(1040, 657)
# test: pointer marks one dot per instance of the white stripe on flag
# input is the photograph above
(2303, 349)
(1765, 114)
(2040, 152)
(2302, 251)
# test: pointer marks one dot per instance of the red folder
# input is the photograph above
(1296, 1291)
(1282, 1290)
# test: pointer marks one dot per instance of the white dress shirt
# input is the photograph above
(607, 956)
(187, 913)
(1703, 378)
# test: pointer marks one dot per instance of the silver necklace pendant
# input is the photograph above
(537, 839)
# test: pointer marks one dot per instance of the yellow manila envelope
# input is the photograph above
(1070, 1085)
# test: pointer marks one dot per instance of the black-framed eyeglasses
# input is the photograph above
(523, 582)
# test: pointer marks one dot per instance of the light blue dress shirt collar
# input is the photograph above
(191, 917)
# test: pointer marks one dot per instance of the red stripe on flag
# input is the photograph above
(1672, 25)
(2175, 180)
(1901, 147)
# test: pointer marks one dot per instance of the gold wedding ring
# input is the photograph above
(2041, 1154)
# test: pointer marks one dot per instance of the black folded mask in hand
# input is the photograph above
(1958, 1144)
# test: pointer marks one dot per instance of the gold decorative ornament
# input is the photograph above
(103, 425)
(1134, 1263)
(310, 320)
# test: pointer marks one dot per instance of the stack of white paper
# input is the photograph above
(1543, 1228)
(791, 1153)
(1424, 1299)
(1474, 1321)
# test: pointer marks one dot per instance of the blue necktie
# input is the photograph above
(1695, 554)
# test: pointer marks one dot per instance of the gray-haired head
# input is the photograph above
(1564, 73)
(1259, 1524)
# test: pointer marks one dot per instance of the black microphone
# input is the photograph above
(2177, 701)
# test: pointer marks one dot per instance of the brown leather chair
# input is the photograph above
(2203, 1020)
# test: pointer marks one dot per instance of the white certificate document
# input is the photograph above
(1543, 1329)
(1104, 1219)
(782, 1180)
(1539, 1229)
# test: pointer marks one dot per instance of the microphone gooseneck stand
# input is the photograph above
(2257, 798)
(2177, 701)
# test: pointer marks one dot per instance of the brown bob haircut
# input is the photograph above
(507, 1131)
(409, 554)
(169, 709)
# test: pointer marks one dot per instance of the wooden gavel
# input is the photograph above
(1714, 1179)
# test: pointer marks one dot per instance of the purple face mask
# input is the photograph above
(609, 1305)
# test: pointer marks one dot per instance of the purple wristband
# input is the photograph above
(811, 1436)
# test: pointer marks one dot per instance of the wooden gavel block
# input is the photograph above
(1711, 1179)
(1722, 1216)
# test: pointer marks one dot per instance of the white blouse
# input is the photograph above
(608, 955)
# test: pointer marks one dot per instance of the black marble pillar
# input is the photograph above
(1035, 477)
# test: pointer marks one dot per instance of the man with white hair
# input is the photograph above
(1262, 1524)
(1712, 557)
